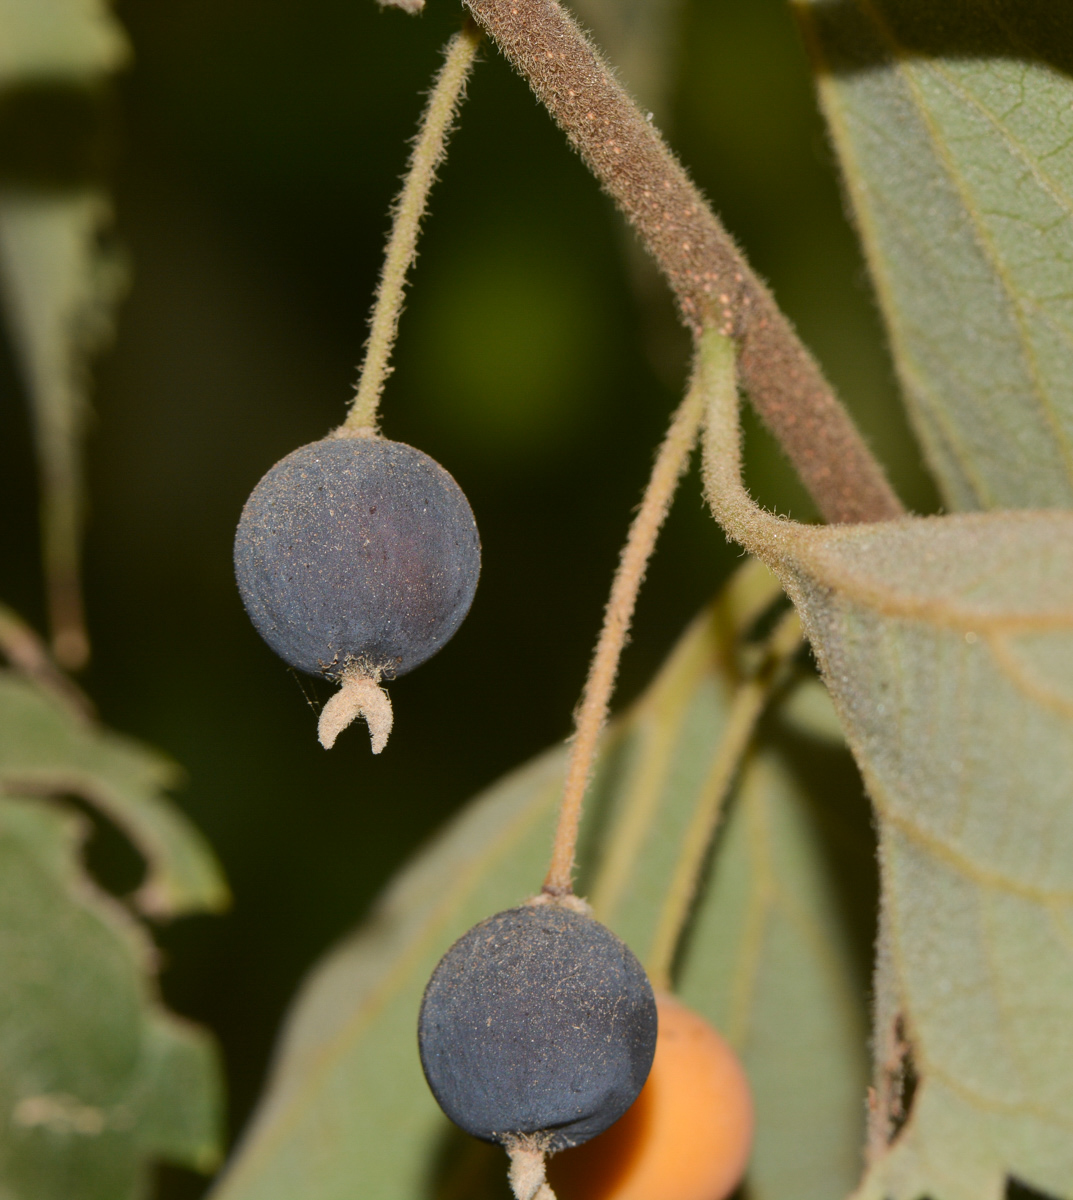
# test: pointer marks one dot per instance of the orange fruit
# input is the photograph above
(688, 1134)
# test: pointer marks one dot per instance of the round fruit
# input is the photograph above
(689, 1134)
(537, 1021)
(357, 553)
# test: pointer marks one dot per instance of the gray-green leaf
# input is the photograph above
(58, 40)
(48, 748)
(947, 645)
(96, 1079)
(772, 966)
(59, 289)
(347, 1111)
(953, 125)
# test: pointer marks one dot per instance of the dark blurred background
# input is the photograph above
(253, 150)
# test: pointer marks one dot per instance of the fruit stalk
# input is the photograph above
(714, 286)
(592, 713)
(430, 147)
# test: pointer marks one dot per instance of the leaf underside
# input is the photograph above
(947, 646)
(953, 124)
(770, 959)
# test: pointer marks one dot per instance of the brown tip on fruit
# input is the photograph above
(359, 696)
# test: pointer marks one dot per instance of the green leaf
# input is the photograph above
(96, 1079)
(947, 645)
(772, 966)
(347, 1110)
(953, 124)
(59, 287)
(49, 748)
(58, 41)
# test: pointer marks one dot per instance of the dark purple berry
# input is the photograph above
(537, 1021)
(357, 553)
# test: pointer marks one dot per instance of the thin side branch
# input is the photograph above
(430, 147)
(751, 591)
(746, 709)
(592, 714)
(713, 284)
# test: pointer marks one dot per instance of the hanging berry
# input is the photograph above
(538, 1024)
(357, 559)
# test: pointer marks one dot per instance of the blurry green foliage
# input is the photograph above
(506, 344)
(63, 40)
(97, 1079)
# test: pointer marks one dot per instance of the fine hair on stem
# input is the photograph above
(671, 460)
(430, 147)
(714, 286)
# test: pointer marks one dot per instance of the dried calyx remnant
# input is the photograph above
(537, 1030)
(357, 559)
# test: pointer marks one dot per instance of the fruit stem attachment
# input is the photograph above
(671, 460)
(359, 695)
(527, 1178)
(430, 146)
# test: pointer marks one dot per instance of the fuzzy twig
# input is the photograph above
(359, 695)
(429, 149)
(592, 713)
(713, 284)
